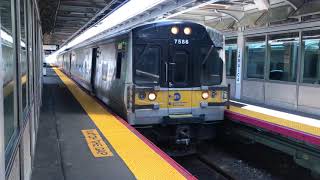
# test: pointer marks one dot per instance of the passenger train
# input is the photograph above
(166, 75)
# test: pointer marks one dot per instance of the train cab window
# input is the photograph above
(180, 73)
(283, 54)
(255, 56)
(7, 45)
(211, 66)
(311, 57)
(147, 65)
(119, 59)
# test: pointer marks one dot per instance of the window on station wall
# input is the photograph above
(231, 56)
(283, 54)
(255, 56)
(30, 50)
(23, 55)
(7, 48)
(311, 57)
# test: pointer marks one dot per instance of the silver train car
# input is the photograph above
(169, 76)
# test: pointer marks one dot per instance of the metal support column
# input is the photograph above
(240, 59)
(2, 148)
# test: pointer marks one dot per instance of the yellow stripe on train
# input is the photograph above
(170, 99)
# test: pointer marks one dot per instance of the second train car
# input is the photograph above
(168, 77)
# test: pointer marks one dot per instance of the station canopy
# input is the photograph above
(65, 20)
(230, 15)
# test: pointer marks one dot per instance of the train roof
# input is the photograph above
(215, 35)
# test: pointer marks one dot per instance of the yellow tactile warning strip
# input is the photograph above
(143, 161)
(96, 144)
(276, 120)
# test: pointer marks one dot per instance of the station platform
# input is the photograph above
(79, 138)
(302, 127)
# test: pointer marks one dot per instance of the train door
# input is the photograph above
(93, 69)
(179, 79)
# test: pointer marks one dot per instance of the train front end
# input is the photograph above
(179, 81)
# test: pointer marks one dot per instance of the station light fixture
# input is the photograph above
(152, 96)
(187, 30)
(205, 95)
(174, 30)
(130, 9)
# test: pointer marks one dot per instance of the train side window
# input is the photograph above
(211, 66)
(119, 59)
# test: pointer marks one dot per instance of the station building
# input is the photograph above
(272, 60)
(272, 52)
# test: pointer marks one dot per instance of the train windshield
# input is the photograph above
(147, 65)
(211, 66)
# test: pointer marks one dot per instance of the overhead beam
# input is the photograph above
(83, 4)
(236, 15)
(76, 15)
(66, 29)
(112, 4)
(55, 15)
(295, 3)
(78, 9)
(309, 8)
(70, 21)
(66, 18)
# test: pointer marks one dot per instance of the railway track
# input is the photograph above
(203, 169)
(215, 167)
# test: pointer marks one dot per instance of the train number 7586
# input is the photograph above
(181, 41)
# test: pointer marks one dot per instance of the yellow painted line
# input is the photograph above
(143, 161)
(96, 144)
(276, 120)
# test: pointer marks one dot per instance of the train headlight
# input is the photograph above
(174, 30)
(205, 95)
(187, 31)
(152, 96)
